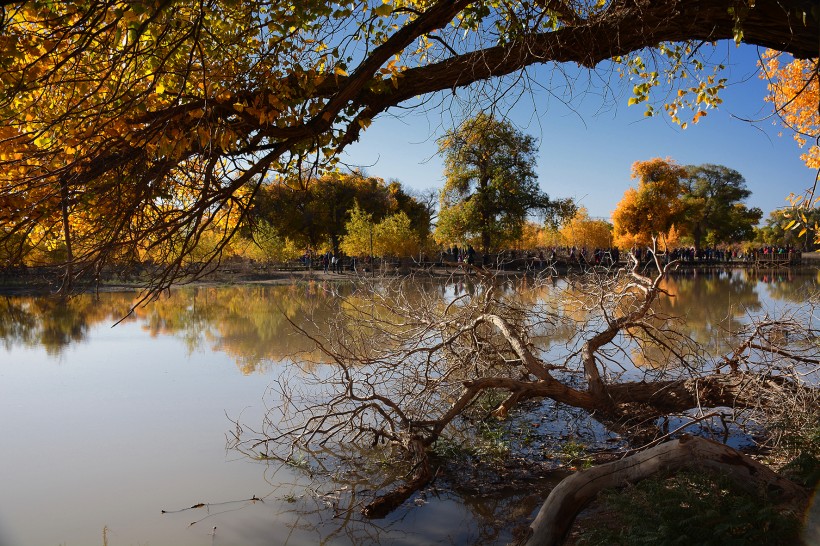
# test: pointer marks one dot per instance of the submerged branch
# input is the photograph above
(421, 379)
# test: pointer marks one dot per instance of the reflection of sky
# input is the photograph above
(124, 424)
(123, 427)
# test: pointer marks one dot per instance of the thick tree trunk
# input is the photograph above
(742, 390)
(656, 398)
(572, 494)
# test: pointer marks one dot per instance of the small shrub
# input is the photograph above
(803, 469)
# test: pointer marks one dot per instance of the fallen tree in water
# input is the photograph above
(409, 369)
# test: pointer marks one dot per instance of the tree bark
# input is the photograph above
(382, 505)
(69, 260)
(565, 501)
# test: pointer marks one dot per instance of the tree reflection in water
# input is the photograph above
(55, 323)
(253, 324)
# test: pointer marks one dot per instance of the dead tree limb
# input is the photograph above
(565, 501)
(413, 367)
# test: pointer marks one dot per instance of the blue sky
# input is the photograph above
(586, 152)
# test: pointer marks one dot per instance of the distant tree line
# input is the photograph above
(331, 213)
(491, 200)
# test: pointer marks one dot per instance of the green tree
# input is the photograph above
(781, 230)
(270, 246)
(316, 211)
(359, 239)
(393, 236)
(396, 237)
(490, 185)
(714, 213)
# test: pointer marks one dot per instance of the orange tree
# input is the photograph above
(794, 90)
(582, 230)
(654, 208)
(127, 127)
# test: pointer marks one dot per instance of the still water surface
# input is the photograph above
(101, 428)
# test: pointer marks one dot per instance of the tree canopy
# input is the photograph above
(130, 127)
(781, 229)
(654, 208)
(794, 90)
(583, 231)
(699, 204)
(715, 214)
(315, 211)
(393, 236)
(490, 183)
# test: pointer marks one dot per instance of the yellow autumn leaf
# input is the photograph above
(383, 10)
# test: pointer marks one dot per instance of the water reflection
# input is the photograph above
(249, 323)
(53, 323)
(252, 323)
(108, 410)
(713, 303)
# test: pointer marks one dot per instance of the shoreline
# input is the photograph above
(38, 284)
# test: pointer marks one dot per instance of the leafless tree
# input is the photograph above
(407, 368)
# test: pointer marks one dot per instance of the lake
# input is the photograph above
(110, 435)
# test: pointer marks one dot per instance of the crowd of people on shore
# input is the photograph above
(338, 262)
(574, 255)
(718, 255)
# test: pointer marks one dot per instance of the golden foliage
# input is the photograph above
(653, 209)
(583, 231)
(130, 128)
(393, 236)
(794, 90)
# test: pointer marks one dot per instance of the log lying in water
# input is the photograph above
(573, 493)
